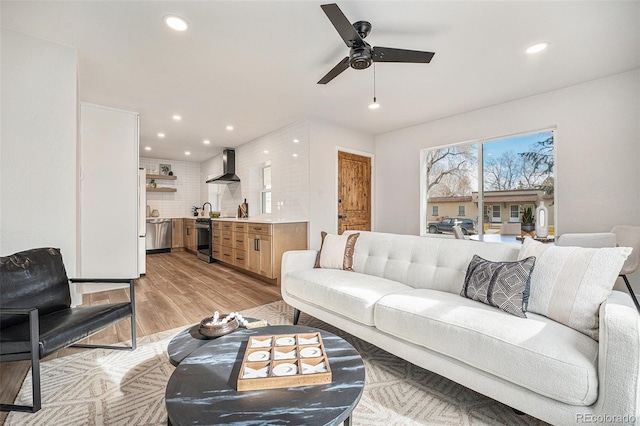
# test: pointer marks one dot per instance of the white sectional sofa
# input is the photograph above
(403, 296)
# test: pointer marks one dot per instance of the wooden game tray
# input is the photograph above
(284, 360)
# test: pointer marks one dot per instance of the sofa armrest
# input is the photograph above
(619, 351)
(34, 333)
(298, 260)
(130, 281)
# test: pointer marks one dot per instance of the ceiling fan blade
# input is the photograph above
(342, 25)
(389, 54)
(342, 65)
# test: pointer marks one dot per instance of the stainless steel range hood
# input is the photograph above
(228, 168)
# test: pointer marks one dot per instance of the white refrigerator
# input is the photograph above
(142, 221)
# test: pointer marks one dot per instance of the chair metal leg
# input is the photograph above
(133, 327)
(296, 316)
(34, 339)
(631, 293)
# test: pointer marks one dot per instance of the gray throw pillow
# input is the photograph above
(504, 285)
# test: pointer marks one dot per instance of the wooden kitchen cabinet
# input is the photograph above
(257, 247)
(260, 255)
(190, 242)
(177, 233)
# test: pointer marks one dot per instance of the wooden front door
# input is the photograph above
(354, 192)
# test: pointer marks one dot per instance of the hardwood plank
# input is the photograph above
(178, 290)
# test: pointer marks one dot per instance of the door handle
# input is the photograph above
(342, 216)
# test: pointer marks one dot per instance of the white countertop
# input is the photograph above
(256, 219)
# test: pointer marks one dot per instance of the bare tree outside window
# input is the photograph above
(450, 171)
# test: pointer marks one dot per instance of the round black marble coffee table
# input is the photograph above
(187, 341)
(202, 389)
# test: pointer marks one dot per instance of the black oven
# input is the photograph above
(203, 239)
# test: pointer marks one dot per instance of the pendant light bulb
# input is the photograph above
(375, 104)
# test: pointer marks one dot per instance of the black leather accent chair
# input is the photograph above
(36, 317)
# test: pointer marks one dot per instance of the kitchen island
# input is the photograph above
(256, 245)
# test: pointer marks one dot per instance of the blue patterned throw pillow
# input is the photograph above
(504, 285)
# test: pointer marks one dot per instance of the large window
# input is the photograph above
(498, 177)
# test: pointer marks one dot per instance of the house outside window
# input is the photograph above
(461, 210)
(266, 190)
(434, 210)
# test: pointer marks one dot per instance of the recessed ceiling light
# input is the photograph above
(296, 140)
(177, 117)
(295, 155)
(147, 148)
(265, 151)
(538, 47)
(206, 141)
(161, 135)
(229, 127)
(187, 153)
(175, 22)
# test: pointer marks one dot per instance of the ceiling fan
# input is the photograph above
(362, 55)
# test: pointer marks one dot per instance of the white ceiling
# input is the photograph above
(255, 64)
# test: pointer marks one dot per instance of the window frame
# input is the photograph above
(266, 191)
(482, 223)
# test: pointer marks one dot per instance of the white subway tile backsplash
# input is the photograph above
(187, 184)
(289, 175)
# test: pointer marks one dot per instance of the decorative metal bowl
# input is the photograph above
(217, 330)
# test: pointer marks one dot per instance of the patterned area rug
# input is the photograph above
(104, 388)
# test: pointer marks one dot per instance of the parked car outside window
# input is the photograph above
(446, 225)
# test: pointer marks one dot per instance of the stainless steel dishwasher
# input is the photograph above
(158, 235)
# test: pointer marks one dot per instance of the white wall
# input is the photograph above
(187, 185)
(38, 173)
(289, 174)
(597, 154)
(326, 138)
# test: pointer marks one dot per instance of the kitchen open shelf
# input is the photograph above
(165, 177)
(150, 189)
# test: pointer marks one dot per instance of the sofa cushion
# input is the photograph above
(336, 251)
(63, 328)
(349, 294)
(535, 353)
(569, 284)
(504, 285)
(423, 262)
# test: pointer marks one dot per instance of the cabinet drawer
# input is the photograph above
(239, 227)
(226, 254)
(226, 226)
(216, 252)
(215, 225)
(259, 228)
(216, 238)
(226, 238)
(239, 240)
(240, 258)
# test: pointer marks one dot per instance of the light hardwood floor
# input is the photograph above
(177, 290)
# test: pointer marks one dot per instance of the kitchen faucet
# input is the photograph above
(210, 207)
